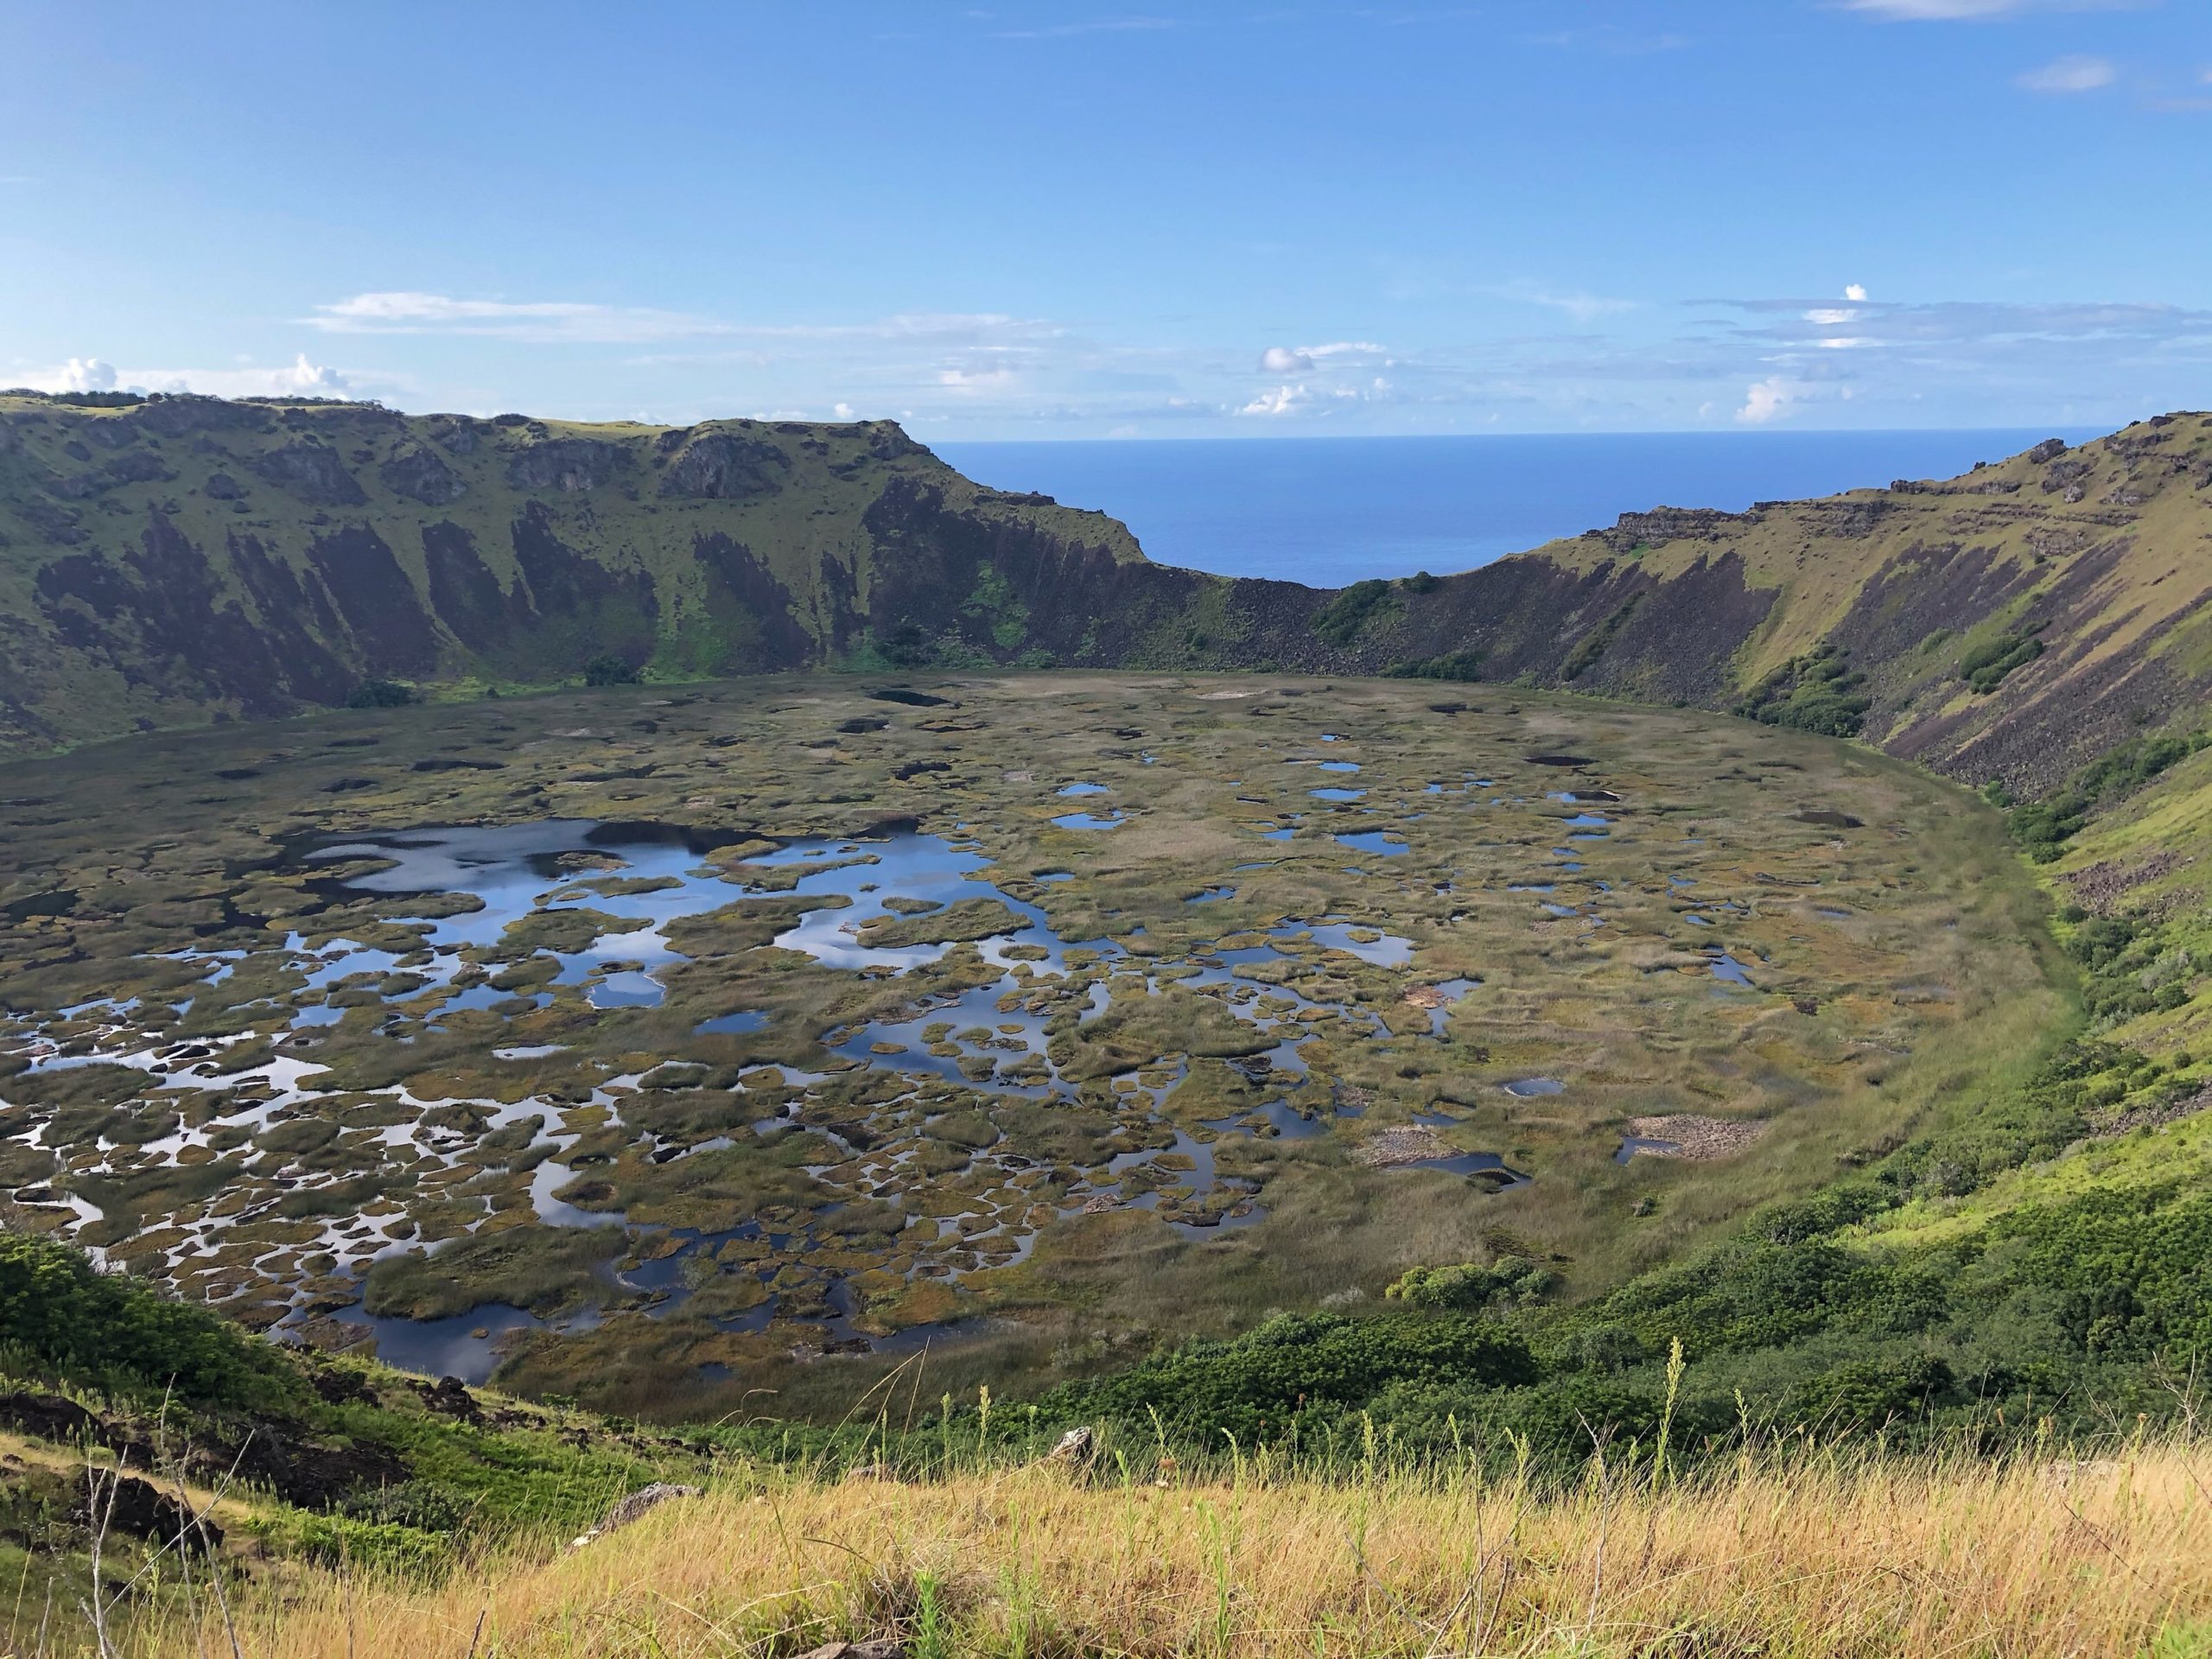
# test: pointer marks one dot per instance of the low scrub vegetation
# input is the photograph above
(1817, 692)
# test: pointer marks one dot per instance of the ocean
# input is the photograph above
(1332, 510)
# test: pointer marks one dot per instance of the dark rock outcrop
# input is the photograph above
(419, 475)
(569, 465)
(723, 467)
(311, 472)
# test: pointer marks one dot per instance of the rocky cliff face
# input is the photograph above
(182, 559)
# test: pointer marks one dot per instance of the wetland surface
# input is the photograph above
(659, 1044)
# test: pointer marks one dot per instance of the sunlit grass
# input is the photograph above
(1801, 1551)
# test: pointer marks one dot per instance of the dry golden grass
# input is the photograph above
(1819, 1555)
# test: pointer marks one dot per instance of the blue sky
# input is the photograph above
(1077, 221)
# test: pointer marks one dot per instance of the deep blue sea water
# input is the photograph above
(1331, 511)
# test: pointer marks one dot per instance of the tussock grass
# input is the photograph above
(1804, 1552)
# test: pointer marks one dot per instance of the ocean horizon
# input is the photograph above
(1329, 511)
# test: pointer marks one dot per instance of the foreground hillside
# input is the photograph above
(167, 560)
(174, 1487)
(1784, 1558)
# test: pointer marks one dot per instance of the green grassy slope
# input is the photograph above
(168, 560)
(163, 561)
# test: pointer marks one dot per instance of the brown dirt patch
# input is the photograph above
(2102, 886)
(1392, 1147)
(1697, 1138)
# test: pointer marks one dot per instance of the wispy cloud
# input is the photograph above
(1610, 40)
(1094, 26)
(1583, 308)
(1304, 359)
(1946, 11)
(539, 321)
(2065, 76)
(1922, 12)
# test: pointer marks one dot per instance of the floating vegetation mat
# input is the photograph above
(674, 1041)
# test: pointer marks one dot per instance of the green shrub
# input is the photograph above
(1340, 620)
(1816, 692)
(1986, 666)
(2042, 828)
(119, 1334)
(1593, 645)
(1458, 665)
(607, 669)
(1302, 1369)
(382, 694)
(1516, 1281)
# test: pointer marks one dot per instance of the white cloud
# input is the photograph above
(1922, 12)
(77, 374)
(2073, 74)
(1583, 308)
(959, 379)
(542, 321)
(1101, 26)
(1856, 293)
(1607, 38)
(1281, 359)
(1829, 317)
(844, 412)
(1768, 400)
(300, 378)
(1949, 11)
(1283, 400)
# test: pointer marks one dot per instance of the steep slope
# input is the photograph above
(168, 559)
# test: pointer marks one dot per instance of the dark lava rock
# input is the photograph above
(454, 436)
(338, 1386)
(48, 1417)
(111, 435)
(135, 1507)
(912, 699)
(311, 472)
(863, 723)
(449, 1396)
(420, 474)
(138, 466)
(1559, 759)
(723, 467)
(918, 768)
(179, 413)
(2049, 449)
(570, 465)
(887, 441)
(221, 486)
(1829, 818)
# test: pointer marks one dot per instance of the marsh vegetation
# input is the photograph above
(658, 1046)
